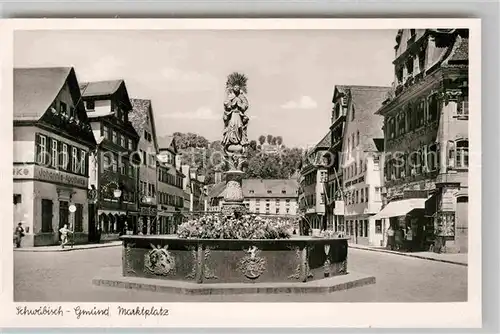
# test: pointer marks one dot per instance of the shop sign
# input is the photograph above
(339, 208)
(448, 200)
(23, 172)
(147, 211)
(50, 175)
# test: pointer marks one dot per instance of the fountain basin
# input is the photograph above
(299, 259)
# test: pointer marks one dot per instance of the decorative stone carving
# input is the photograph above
(129, 269)
(159, 261)
(233, 192)
(251, 265)
(450, 95)
(303, 265)
(200, 259)
(234, 139)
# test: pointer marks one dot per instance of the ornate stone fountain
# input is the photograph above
(265, 265)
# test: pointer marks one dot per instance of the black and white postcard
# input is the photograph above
(227, 173)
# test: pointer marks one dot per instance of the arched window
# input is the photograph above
(462, 154)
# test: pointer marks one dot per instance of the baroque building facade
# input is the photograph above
(312, 189)
(426, 139)
(278, 197)
(114, 166)
(52, 141)
(362, 150)
(142, 119)
(171, 194)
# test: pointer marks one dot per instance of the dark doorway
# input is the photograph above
(47, 206)
(93, 223)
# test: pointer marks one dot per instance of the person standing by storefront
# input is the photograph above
(409, 240)
(19, 234)
(390, 238)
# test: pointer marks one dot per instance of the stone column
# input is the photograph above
(148, 225)
(233, 197)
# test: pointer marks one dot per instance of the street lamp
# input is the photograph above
(117, 193)
(72, 210)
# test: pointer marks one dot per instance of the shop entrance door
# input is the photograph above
(63, 215)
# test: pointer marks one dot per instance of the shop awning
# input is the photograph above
(400, 208)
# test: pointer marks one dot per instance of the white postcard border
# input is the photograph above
(385, 315)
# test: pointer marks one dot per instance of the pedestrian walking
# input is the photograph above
(64, 234)
(19, 234)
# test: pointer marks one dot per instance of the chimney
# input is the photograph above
(218, 177)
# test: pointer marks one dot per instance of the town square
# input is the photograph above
(185, 166)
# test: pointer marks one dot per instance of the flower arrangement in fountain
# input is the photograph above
(217, 226)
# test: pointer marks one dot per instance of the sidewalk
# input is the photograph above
(68, 247)
(460, 258)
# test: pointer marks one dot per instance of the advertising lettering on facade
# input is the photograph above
(147, 211)
(23, 172)
(49, 175)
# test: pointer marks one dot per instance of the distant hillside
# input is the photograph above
(268, 158)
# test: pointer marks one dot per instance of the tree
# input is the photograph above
(273, 141)
(262, 139)
(279, 140)
(269, 138)
(253, 144)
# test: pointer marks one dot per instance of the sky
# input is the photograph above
(291, 73)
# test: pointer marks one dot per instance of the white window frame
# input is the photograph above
(74, 159)
(65, 154)
(43, 149)
(55, 154)
(83, 156)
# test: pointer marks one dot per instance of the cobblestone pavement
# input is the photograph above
(67, 277)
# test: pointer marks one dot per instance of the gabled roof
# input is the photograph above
(100, 88)
(366, 100)
(35, 89)
(325, 142)
(142, 110)
(106, 89)
(459, 53)
(167, 143)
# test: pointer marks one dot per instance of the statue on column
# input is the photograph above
(234, 139)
